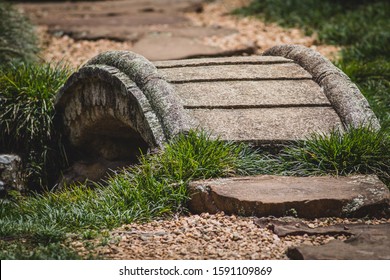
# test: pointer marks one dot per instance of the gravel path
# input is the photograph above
(205, 236)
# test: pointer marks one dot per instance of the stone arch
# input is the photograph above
(114, 108)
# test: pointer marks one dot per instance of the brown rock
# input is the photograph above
(370, 242)
(309, 197)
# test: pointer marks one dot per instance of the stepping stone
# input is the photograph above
(369, 242)
(364, 242)
(307, 197)
(158, 29)
(120, 103)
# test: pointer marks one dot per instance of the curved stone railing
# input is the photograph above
(344, 95)
(117, 105)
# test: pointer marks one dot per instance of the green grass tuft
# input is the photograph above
(154, 188)
(358, 150)
(24, 250)
(27, 93)
(157, 187)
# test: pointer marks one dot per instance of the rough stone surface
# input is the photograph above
(10, 174)
(113, 108)
(368, 242)
(221, 61)
(98, 101)
(266, 125)
(193, 74)
(344, 95)
(251, 94)
(161, 96)
(308, 197)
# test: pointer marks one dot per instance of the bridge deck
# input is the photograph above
(261, 100)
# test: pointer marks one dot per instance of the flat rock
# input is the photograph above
(239, 72)
(309, 197)
(260, 126)
(368, 242)
(157, 28)
(262, 100)
(251, 94)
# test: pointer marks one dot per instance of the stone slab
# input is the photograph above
(290, 226)
(266, 125)
(234, 72)
(164, 46)
(221, 61)
(309, 197)
(249, 94)
(369, 242)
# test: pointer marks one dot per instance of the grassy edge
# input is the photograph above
(157, 187)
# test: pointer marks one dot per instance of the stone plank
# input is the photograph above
(309, 197)
(235, 72)
(251, 94)
(266, 125)
(371, 242)
(221, 61)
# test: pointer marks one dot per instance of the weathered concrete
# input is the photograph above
(251, 94)
(266, 125)
(238, 60)
(308, 197)
(369, 242)
(242, 72)
(344, 95)
(10, 174)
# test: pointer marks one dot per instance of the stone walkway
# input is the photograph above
(76, 31)
(157, 29)
(306, 197)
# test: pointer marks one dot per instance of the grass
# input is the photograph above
(33, 251)
(27, 93)
(17, 38)
(356, 151)
(361, 27)
(154, 188)
(157, 187)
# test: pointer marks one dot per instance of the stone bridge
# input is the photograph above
(119, 103)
